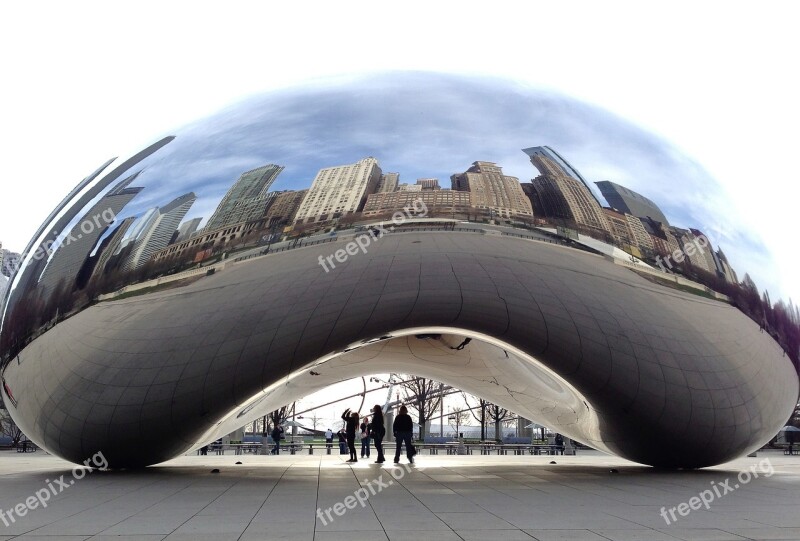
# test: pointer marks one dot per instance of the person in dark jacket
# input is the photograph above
(342, 435)
(277, 436)
(351, 424)
(403, 430)
(378, 432)
(365, 436)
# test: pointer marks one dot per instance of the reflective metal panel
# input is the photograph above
(317, 234)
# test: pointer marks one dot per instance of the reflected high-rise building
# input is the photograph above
(388, 183)
(626, 200)
(78, 245)
(188, 228)
(8, 262)
(548, 161)
(702, 254)
(337, 191)
(157, 229)
(247, 198)
(491, 190)
(561, 192)
(109, 247)
(284, 207)
(429, 183)
(664, 241)
(724, 267)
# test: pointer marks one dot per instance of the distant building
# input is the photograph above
(158, 230)
(429, 183)
(621, 228)
(490, 190)
(284, 207)
(724, 268)
(388, 182)
(664, 242)
(8, 262)
(109, 249)
(701, 255)
(640, 233)
(337, 191)
(409, 188)
(626, 200)
(247, 199)
(188, 228)
(561, 193)
(438, 202)
(204, 240)
(548, 161)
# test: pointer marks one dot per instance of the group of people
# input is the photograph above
(375, 430)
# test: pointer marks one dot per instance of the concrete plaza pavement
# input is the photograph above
(586, 497)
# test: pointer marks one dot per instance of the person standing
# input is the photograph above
(351, 423)
(342, 441)
(329, 438)
(277, 436)
(378, 432)
(403, 430)
(559, 444)
(365, 437)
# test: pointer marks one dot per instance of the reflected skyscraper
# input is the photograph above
(626, 200)
(109, 247)
(561, 192)
(339, 190)
(8, 262)
(491, 190)
(388, 182)
(188, 228)
(555, 164)
(158, 228)
(80, 242)
(247, 198)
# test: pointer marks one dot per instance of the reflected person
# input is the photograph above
(365, 427)
(378, 432)
(351, 423)
(403, 430)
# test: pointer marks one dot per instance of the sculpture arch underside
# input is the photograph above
(565, 338)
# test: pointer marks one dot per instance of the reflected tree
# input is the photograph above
(424, 396)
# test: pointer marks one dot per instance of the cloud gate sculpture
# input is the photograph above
(322, 233)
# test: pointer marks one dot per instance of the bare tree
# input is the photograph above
(9, 429)
(315, 419)
(498, 415)
(479, 413)
(456, 418)
(278, 416)
(424, 397)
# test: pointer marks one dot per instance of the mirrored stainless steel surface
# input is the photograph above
(286, 244)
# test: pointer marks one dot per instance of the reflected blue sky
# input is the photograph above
(426, 125)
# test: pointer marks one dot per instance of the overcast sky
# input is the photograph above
(714, 81)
